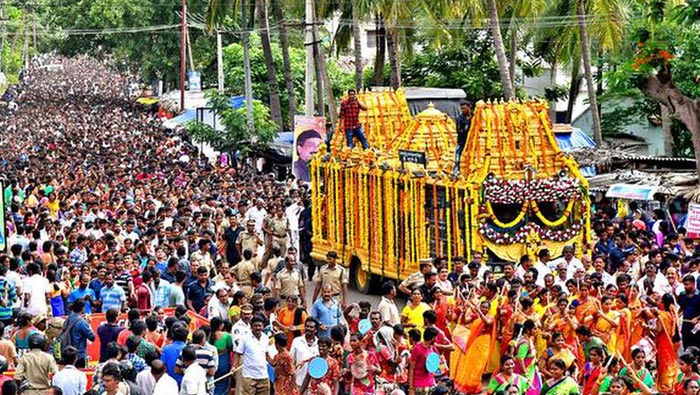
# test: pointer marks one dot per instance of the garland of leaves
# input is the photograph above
(520, 235)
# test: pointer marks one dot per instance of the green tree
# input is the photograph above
(236, 136)
(469, 65)
(233, 69)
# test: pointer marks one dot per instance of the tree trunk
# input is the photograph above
(590, 85)
(284, 44)
(500, 50)
(574, 89)
(394, 59)
(553, 83)
(323, 67)
(357, 43)
(666, 123)
(275, 106)
(660, 88)
(380, 49)
(513, 55)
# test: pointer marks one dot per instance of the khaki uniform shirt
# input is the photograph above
(413, 281)
(243, 271)
(248, 241)
(36, 366)
(335, 277)
(289, 282)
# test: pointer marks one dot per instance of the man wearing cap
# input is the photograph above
(242, 327)
(243, 270)
(333, 275)
(251, 353)
(248, 239)
(257, 213)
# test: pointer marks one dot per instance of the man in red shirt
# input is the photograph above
(350, 115)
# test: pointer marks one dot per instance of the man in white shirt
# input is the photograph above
(292, 213)
(71, 380)
(241, 328)
(36, 290)
(658, 282)
(257, 213)
(251, 353)
(572, 263)
(194, 381)
(218, 306)
(387, 307)
(304, 348)
(165, 385)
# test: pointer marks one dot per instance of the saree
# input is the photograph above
(584, 309)
(666, 353)
(564, 354)
(565, 386)
(499, 382)
(636, 329)
(624, 333)
(590, 376)
(606, 331)
(680, 380)
(472, 364)
(525, 352)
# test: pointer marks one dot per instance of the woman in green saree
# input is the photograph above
(559, 383)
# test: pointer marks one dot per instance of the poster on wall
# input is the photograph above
(3, 242)
(309, 133)
(692, 224)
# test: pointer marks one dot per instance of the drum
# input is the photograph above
(318, 367)
(432, 362)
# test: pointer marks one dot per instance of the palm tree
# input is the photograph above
(499, 48)
(217, 11)
(357, 43)
(286, 62)
(275, 106)
(590, 85)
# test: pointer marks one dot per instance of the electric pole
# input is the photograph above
(310, 73)
(220, 61)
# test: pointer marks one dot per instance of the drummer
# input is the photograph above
(420, 379)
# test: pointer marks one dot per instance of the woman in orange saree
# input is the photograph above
(606, 323)
(585, 305)
(639, 315)
(624, 347)
(471, 365)
(666, 327)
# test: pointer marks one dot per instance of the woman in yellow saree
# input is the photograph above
(472, 363)
(606, 323)
(666, 327)
(585, 305)
(558, 350)
(624, 347)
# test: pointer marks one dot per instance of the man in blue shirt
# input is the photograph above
(689, 302)
(171, 352)
(84, 293)
(197, 292)
(327, 311)
(80, 332)
(111, 295)
(464, 122)
(96, 285)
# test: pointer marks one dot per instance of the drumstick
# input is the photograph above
(607, 365)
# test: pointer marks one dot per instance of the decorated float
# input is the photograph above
(382, 212)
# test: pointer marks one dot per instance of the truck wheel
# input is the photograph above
(360, 277)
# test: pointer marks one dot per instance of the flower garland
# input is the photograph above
(553, 224)
(520, 235)
(511, 224)
(541, 189)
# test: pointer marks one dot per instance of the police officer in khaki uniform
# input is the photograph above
(290, 281)
(248, 240)
(276, 229)
(333, 275)
(243, 270)
(416, 279)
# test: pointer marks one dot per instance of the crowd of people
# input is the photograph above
(108, 212)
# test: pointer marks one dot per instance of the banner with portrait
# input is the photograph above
(309, 134)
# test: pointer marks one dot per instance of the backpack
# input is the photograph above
(64, 339)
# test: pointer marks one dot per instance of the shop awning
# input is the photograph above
(632, 192)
